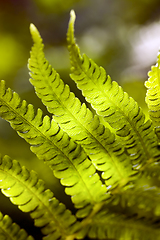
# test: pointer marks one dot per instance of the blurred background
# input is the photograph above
(123, 36)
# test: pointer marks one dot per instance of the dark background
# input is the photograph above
(123, 36)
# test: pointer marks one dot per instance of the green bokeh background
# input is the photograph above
(123, 36)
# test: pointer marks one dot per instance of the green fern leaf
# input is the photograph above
(76, 143)
(110, 225)
(28, 192)
(141, 199)
(67, 159)
(11, 231)
(144, 200)
(77, 120)
(153, 95)
(113, 104)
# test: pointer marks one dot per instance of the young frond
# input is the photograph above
(77, 120)
(113, 104)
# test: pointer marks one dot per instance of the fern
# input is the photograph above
(50, 143)
(107, 161)
(153, 95)
(11, 231)
(110, 101)
(25, 190)
(107, 225)
(76, 119)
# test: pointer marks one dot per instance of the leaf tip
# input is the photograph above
(70, 32)
(72, 15)
(32, 28)
(35, 33)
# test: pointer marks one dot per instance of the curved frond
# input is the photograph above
(28, 192)
(113, 104)
(67, 159)
(77, 120)
(153, 95)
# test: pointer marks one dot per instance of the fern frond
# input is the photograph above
(153, 95)
(113, 104)
(11, 231)
(67, 159)
(28, 192)
(144, 199)
(110, 225)
(77, 120)
(140, 199)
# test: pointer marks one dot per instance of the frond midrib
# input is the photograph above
(78, 122)
(70, 112)
(78, 60)
(122, 222)
(37, 196)
(119, 109)
(58, 149)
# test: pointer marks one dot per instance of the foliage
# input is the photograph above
(106, 157)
